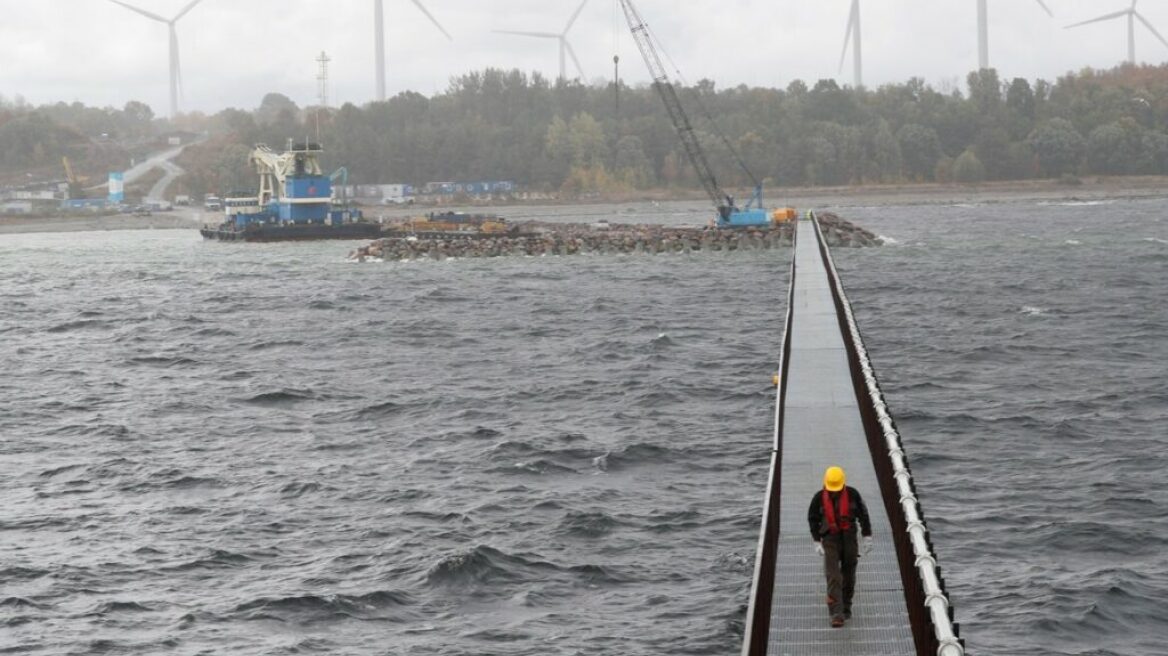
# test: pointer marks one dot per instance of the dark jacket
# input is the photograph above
(856, 508)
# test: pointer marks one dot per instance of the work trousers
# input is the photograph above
(840, 553)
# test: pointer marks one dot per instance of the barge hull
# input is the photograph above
(312, 232)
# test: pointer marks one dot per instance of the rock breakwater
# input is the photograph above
(537, 238)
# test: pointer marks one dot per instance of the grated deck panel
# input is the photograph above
(822, 427)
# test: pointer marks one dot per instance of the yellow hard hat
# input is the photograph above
(834, 479)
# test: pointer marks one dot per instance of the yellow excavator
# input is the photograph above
(75, 181)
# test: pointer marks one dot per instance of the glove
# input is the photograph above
(867, 546)
(819, 547)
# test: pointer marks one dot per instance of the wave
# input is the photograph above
(597, 574)
(286, 396)
(214, 332)
(108, 607)
(20, 602)
(662, 340)
(675, 521)
(177, 479)
(18, 573)
(485, 565)
(373, 412)
(49, 473)
(311, 608)
(539, 467)
(297, 489)
(586, 524)
(162, 361)
(1075, 203)
(633, 455)
(215, 559)
(81, 324)
(478, 433)
(96, 430)
(442, 295)
(276, 343)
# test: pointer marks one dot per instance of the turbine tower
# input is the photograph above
(379, 39)
(983, 32)
(175, 72)
(852, 35)
(565, 47)
(1132, 17)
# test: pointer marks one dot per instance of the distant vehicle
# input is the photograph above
(182, 199)
(212, 203)
(141, 210)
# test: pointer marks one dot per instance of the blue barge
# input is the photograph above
(294, 202)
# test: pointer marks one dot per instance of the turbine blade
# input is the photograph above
(1048, 11)
(185, 9)
(419, 5)
(848, 34)
(575, 61)
(538, 35)
(1150, 28)
(177, 72)
(140, 11)
(1117, 14)
(576, 15)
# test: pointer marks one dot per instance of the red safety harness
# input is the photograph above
(845, 515)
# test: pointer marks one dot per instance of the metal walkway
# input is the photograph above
(820, 422)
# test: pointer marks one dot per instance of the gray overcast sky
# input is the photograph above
(234, 51)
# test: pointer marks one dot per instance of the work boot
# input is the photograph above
(837, 621)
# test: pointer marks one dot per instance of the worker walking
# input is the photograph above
(833, 515)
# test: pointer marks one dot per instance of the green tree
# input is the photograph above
(968, 168)
(886, 156)
(1058, 146)
(992, 147)
(920, 149)
(632, 166)
(273, 107)
(1116, 148)
(589, 146)
(985, 91)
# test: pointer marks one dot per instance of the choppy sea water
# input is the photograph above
(264, 449)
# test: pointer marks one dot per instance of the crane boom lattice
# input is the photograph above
(677, 115)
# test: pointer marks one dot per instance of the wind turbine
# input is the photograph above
(565, 47)
(1132, 17)
(379, 39)
(983, 32)
(175, 73)
(852, 35)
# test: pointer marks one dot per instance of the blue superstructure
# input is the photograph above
(293, 190)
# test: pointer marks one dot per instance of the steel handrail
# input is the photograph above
(936, 600)
(756, 628)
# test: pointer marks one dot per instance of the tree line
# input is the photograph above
(575, 138)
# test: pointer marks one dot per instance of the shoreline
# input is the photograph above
(58, 224)
(1091, 190)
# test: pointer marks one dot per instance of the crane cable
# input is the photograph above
(704, 110)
